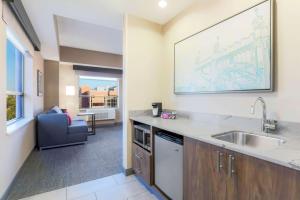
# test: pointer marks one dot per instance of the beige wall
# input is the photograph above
(144, 61)
(283, 103)
(142, 71)
(15, 147)
(82, 56)
(51, 76)
(68, 76)
(38, 63)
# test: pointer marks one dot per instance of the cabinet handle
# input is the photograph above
(231, 170)
(138, 170)
(219, 163)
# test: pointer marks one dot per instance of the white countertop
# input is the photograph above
(202, 130)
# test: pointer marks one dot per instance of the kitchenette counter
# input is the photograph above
(204, 126)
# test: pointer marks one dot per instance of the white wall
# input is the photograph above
(142, 72)
(15, 148)
(283, 103)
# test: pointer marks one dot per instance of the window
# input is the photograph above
(98, 92)
(15, 83)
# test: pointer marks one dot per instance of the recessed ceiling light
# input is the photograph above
(162, 3)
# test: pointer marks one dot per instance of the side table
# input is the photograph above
(93, 126)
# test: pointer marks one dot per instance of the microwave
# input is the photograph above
(142, 136)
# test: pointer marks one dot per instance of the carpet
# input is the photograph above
(57, 168)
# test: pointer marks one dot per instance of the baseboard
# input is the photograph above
(128, 172)
(62, 145)
(6, 193)
(109, 124)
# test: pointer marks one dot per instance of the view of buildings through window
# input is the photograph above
(98, 92)
(15, 82)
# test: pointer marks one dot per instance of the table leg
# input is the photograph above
(94, 124)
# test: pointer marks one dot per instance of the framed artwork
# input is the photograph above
(40, 85)
(234, 55)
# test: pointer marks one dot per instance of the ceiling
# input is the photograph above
(92, 24)
(78, 34)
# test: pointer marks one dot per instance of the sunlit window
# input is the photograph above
(98, 92)
(15, 83)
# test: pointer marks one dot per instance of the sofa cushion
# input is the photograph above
(51, 111)
(78, 126)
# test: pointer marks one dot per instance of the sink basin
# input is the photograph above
(249, 139)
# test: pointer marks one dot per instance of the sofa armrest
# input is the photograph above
(51, 129)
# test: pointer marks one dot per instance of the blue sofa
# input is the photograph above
(53, 131)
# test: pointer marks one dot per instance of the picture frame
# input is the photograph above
(40, 85)
(197, 73)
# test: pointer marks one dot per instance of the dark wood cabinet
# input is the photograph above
(257, 179)
(204, 172)
(141, 163)
(214, 173)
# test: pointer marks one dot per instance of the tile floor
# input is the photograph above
(116, 187)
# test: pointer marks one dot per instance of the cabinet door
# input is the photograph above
(136, 161)
(141, 163)
(203, 171)
(217, 162)
(146, 166)
(255, 179)
(232, 173)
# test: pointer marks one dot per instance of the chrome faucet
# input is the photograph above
(266, 125)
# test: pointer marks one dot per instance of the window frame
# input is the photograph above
(14, 93)
(80, 96)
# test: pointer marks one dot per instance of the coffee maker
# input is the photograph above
(156, 109)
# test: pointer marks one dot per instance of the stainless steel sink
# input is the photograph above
(249, 139)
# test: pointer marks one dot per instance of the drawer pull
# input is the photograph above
(219, 161)
(231, 169)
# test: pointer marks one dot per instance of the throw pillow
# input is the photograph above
(57, 109)
(69, 118)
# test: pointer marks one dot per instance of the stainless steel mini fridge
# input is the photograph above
(168, 163)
